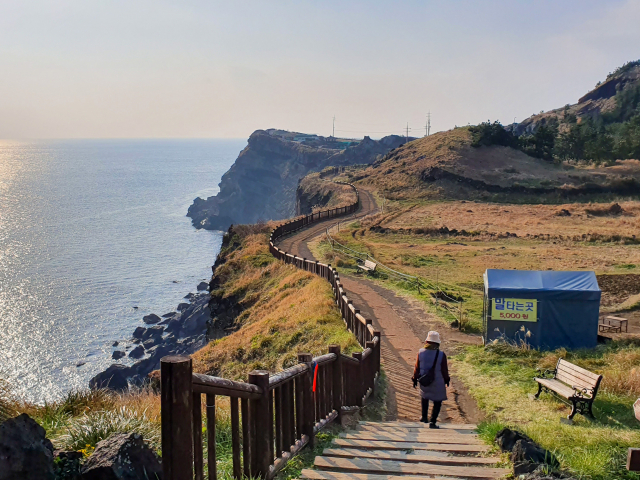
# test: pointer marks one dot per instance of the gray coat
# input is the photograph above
(437, 391)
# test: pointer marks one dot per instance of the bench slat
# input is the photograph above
(557, 386)
(573, 377)
(568, 365)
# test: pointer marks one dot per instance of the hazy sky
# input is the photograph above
(72, 69)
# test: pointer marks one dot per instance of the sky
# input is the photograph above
(222, 69)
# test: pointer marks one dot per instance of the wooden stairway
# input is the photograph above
(406, 451)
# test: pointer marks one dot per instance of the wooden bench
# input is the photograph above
(604, 328)
(368, 266)
(572, 383)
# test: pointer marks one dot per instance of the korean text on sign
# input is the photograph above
(516, 309)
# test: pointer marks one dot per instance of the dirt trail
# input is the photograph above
(404, 325)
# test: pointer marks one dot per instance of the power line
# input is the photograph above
(396, 132)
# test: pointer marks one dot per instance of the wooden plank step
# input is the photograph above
(380, 445)
(389, 429)
(365, 465)
(410, 437)
(326, 475)
(424, 457)
(454, 426)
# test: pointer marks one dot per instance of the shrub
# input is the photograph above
(488, 133)
(88, 429)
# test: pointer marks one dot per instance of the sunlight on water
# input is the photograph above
(88, 230)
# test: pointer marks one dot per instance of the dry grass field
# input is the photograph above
(557, 221)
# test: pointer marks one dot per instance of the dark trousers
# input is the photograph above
(435, 411)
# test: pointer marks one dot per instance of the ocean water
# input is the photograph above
(90, 229)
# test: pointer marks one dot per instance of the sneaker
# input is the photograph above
(433, 425)
(424, 420)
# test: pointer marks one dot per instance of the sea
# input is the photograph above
(93, 236)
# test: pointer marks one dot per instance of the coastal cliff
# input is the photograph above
(262, 183)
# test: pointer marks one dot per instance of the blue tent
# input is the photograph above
(559, 309)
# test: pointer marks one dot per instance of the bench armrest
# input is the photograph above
(548, 373)
(583, 392)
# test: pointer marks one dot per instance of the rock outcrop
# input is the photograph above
(261, 184)
(25, 452)
(122, 457)
(177, 333)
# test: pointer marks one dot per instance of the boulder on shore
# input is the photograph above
(114, 378)
(25, 452)
(122, 456)
(137, 352)
(155, 331)
(151, 319)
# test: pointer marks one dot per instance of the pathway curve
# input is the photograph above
(403, 324)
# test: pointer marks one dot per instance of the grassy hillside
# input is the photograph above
(446, 165)
(284, 311)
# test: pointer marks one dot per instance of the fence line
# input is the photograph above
(272, 416)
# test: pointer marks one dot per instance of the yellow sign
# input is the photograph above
(514, 309)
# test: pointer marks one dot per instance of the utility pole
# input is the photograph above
(408, 132)
(429, 123)
(334, 127)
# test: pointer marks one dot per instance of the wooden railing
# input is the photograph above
(272, 417)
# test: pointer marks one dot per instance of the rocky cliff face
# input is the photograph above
(261, 184)
(599, 101)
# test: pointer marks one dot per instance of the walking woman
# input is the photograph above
(432, 372)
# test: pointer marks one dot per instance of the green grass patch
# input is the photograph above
(500, 377)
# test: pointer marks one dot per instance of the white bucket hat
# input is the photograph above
(433, 337)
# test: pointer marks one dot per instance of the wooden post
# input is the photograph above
(307, 399)
(358, 383)
(368, 336)
(378, 348)
(370, 372)
(633, 460)
(176, 404)
(337, 379)
(260, 425)
(246, 441)
(211, 434)
(235, 439)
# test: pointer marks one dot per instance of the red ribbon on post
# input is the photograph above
(315, 376)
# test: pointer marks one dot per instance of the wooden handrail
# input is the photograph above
(279, 378)
(204, 384)
(272, 417)
(322, 359)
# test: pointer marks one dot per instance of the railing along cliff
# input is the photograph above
(272, 417)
